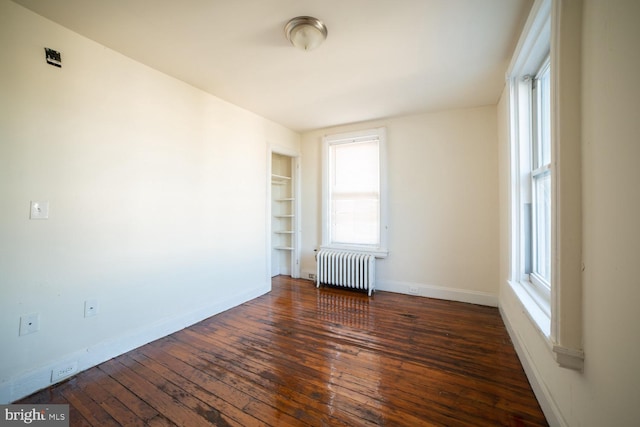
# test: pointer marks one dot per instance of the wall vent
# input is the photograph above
(53, 57)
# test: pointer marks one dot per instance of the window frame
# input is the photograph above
(553, 26)
(380, 250)
(533, 57)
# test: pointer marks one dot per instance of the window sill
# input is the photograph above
(565, 357)
(538, 316)
(377, 252)
(568, 357)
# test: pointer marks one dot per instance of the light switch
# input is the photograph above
(39, 210)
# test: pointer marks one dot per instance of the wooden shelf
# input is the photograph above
(279, 179)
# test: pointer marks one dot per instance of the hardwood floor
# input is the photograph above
(327, 357)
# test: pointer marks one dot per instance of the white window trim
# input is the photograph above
(380, 251)
(555, 320)
(531, 52)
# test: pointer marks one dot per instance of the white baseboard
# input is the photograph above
(439, 292)
(547, 404)
(36, 379)
(431, 291)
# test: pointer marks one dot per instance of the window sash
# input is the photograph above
(541, 177)
(532, 266)
(541, 120)
(354, 213)
(541, 230)
(355, 222)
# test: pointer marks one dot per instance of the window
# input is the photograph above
(354, 191)
(532, 170)
(532, 161)
(545, 175)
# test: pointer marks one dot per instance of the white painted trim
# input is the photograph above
(38, 378)
(545, 399)
(439, 292)
(537, 314)
(297, 192)
(569, 358)
(531, 50)
(566, 190)
(268, 213)
(432, 291)
(358, 249)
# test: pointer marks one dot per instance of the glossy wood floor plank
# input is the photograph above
(319, 357)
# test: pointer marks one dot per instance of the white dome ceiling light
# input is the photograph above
(305, 32)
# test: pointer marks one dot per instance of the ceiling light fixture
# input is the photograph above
(305, 32)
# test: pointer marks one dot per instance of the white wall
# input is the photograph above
(443, 203)
(157, 197)
(606, 393)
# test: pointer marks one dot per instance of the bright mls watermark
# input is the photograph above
(34, 415)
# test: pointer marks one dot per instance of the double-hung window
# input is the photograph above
(354, 191)
(545, 169)
(532, 171)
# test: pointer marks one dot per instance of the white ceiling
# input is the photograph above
(382, 58)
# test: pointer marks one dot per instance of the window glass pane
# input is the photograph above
(355, 167)
(355, 193)
(544, 119)
(355, 221)
(542, 189)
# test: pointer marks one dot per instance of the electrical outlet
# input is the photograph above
(90, 307)
(63, 371)
(413, 290)
(312, 276)
(29, 323)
